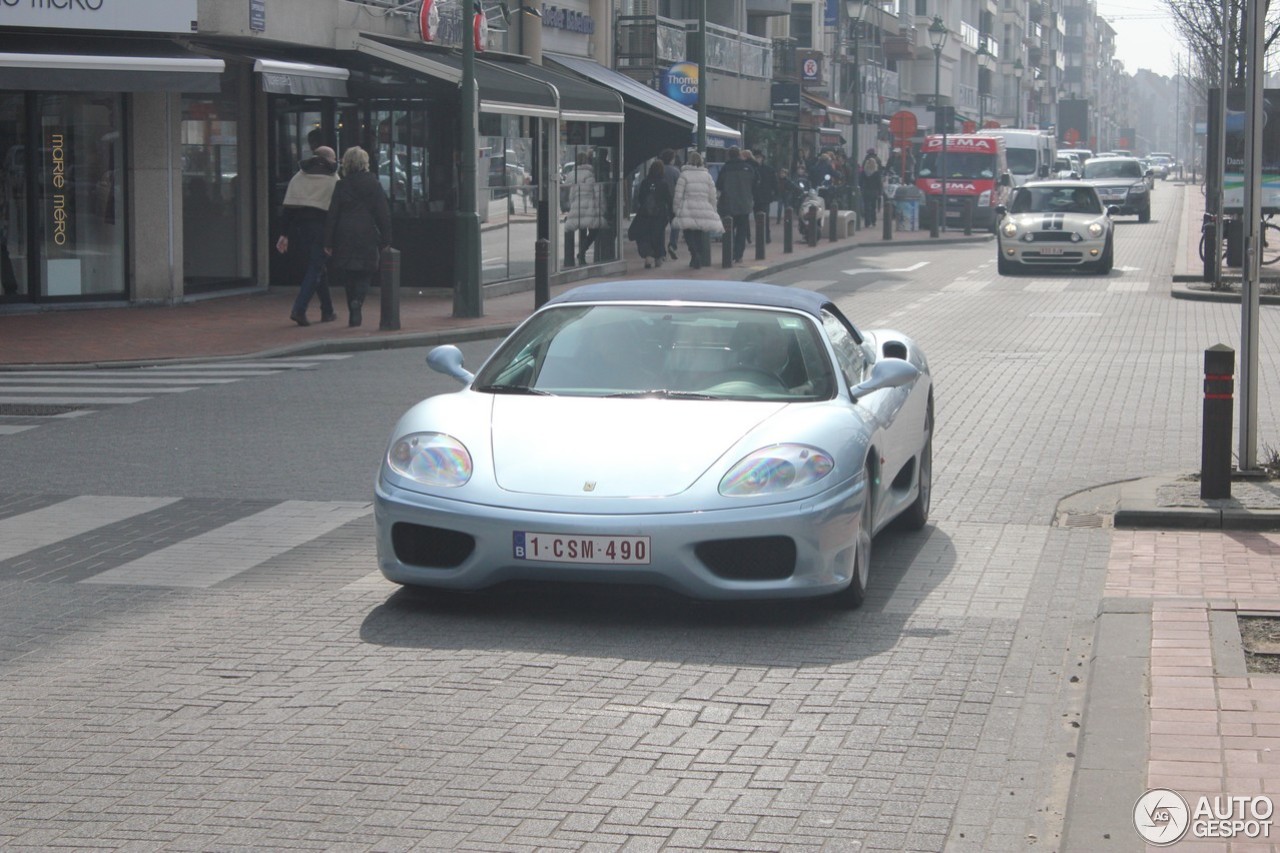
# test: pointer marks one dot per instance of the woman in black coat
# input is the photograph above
(358, 228)
(653, 212)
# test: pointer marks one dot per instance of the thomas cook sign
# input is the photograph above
(680, 83)
(149, 16)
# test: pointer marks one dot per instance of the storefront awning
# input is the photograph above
(831, 108)
(85, 73)
(638, 95)
(579, 100)
(501, 91)
(302, 78)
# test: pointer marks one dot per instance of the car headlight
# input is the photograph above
(984, 200)
(1008, 229)
(776, 469)
(1138, 188)
(430, 458)
(1096, 229)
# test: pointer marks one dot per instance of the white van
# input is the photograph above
(1030, 152)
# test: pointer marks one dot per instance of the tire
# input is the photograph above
(916, 516)
(1108, 259)
(855, 594)
(1004, 267)
(1144, 215)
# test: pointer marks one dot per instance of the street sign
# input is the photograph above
(903, 124)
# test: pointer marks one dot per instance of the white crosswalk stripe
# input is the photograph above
(30, 397)
(1047, 286)
(68, 519)
(231, 549)
(964, 286)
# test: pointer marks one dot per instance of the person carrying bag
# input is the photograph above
(357, 229)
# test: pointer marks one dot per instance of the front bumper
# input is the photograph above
(1052, 254)
(822, 532)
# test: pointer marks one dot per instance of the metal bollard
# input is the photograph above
(833, 222)
(541, 272)
(389, 281)
(787, 248)
(1215, 438)
(887, 214)
(812, 235)
(569, 239)
(726, 243)
(761, 225)
(934, 207)
(968, 217)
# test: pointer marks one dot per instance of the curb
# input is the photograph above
(1197, 518)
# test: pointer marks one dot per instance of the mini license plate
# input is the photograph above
(1051, 250)
(569, 548)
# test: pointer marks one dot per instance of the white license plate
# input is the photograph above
(1051, 250)
(569, 548)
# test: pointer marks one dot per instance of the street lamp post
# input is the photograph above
(1017, 82)
(984, 62)
(938, 39)
(854, 9)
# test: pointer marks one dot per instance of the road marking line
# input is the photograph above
(1047, 286)
(13, 430)
(68, 519)
(89, 389)
(963, 286)
(1128, 286)
(76, 401)
(814, 284)
(226, 551)
(911, 268)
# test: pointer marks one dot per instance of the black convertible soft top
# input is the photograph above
(740, 292)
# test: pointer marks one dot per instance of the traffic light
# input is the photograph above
(944, 118)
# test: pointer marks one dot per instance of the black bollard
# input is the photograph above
(568, 248)
(1215, 439)
(887, 214)
(541, 272)
(787, 248)
(812, 226)
(389, 320)
(933, 217)
(761, 225)
(968, 217)
(726, 244)
(833, 222)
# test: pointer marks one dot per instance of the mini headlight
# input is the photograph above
(1008, 229)
(1095, 229)
(1138, 188)
(776, 469)
(430, 458)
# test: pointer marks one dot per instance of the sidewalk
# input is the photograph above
(257, 324)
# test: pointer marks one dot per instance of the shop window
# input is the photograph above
(79, 186)
(216, 188)
(14, 270)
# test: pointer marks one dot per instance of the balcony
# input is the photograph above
(901, 46)
(785, 64)
(648, 43)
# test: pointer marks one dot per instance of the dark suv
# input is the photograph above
(1121, 181)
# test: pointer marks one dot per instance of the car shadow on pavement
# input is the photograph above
(643, 622)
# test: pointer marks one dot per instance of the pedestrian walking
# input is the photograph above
(871, 182)
(653, 212)
(306, 205)
(695, 210)
(671, 172)
(736, 183)
(765, 192)
(357, 229)
(582, 202)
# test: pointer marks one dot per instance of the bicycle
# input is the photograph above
(1270, 242)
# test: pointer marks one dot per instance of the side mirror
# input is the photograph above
(886, 373)
(1001, 210)
(1006, 180)
(1113, 210)
(447, 359)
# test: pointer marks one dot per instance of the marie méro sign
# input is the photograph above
(153, 16)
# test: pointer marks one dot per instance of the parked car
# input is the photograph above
(1066, 167)
(1055, 224)
(1120, 181)
(725, 440)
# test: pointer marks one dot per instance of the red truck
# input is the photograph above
(977, 177)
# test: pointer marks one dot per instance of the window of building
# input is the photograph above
(802, 24)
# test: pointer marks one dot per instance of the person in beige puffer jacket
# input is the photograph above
(695, 210)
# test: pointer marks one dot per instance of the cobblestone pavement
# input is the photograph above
(284, 696)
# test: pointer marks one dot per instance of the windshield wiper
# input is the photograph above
(513, 389)
(666, 394)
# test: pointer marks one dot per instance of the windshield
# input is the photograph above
(960, 164)
(1112, 169)
(678, 352)
(1022, 161)
(1055, 200)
